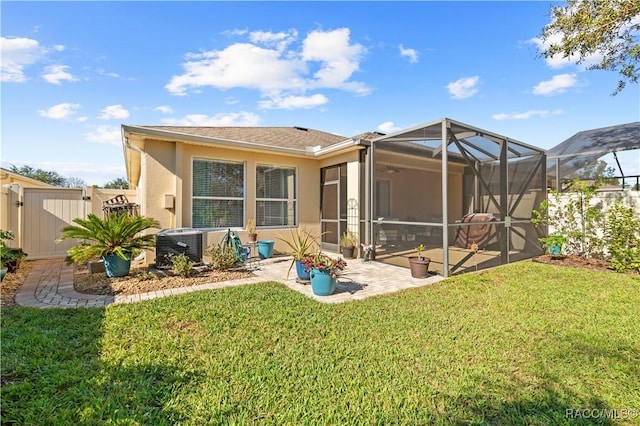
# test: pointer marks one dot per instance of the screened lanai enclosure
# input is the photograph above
(575, 157)
(454, 188)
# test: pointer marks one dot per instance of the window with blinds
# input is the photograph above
(276, 199)
(218, 194)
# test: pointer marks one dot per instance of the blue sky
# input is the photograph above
(73, 72)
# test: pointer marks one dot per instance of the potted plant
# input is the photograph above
(10, 257)
(348, 242)
(251, 229)
(114, 239)
(554, 243)
(4, 259)
(419, 265)
(301, 244)
(323, 272)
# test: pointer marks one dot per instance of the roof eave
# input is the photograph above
(230, 143)
(185, 137)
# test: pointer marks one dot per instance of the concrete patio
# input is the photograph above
(50, 284)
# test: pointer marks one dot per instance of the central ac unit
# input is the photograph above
(175, 241)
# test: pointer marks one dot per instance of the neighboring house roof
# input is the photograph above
(368, 136)
(8, 177)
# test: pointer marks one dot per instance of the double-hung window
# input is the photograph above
(276, 200)
(218, 194)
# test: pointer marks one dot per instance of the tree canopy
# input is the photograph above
(118, 183)
(607, 31)
(48, 176)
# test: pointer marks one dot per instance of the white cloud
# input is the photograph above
(17, 53)
(165, 109)
(107, 73)
(278, 40)
(558, 84)
(412, 54)
(463, 88)
(239, 65)
(388, 127)
(270, 64)
(525, 115)
(62, 111)
(294, 102)
(114, 112)
(105, 134)
(229, 119)
(338, 57)
(558, 61)
(56, 74)
(236, 32)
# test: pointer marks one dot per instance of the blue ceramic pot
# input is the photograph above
(303, 273)
(265, 249)
(322, 283)
(554, 248)
(115, 266)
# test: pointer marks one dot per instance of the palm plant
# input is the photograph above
(302, 243)
(115, 235)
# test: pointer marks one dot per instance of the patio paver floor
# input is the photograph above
(50, 284)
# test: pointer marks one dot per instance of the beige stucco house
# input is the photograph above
(216, 178)
(394, 191)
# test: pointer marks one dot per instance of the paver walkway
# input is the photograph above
(50, 284)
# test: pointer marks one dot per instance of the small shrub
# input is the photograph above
(223, 257)
(145, 276)
(577, 216)
(622, 237)
(182, 265)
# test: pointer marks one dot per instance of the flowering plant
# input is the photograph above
(324, 263)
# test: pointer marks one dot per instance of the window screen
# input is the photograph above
(276, 196)
(218, 194)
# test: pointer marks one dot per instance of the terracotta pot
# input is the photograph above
(419, 267)
(347, 252)
(253, 237)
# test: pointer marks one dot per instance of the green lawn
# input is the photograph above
(519, 344)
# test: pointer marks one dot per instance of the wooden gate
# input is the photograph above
(45, 212)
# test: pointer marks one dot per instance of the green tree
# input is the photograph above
(599, 171)
(50, 177)
(74, 182)
(610, 30)
(118, 183)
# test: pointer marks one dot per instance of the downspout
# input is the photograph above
(126, 145)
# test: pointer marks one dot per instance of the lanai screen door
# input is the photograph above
(333, 205)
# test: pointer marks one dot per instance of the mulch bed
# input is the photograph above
(575, 261)
(143, 280)
(12, 282)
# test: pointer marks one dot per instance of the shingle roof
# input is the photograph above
(368, 136)
(287, 137)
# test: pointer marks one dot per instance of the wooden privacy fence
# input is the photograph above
(36, 215)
